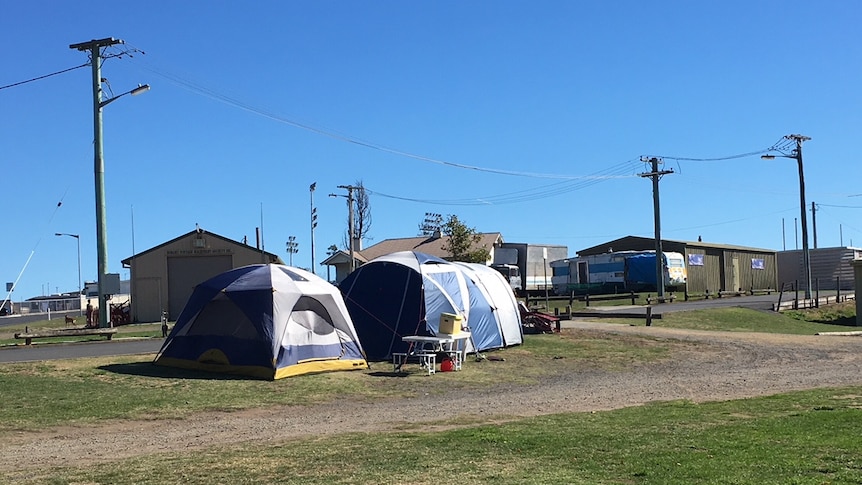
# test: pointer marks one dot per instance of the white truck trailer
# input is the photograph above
(527, 266)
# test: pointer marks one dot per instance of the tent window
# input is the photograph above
(307, 303)
(292, 275)
(222, 317)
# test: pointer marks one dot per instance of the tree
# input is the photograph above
(362, 218)
(361, 215)
(461, 240)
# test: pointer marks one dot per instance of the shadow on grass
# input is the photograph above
(843, 321)
(388, 374)
(148, 369)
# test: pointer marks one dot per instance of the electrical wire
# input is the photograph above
(43, 77)
(622, 170)
(33, 251)
(840, 206)
(779, 146)
(212, 94)
(758, 216)
(571, 183)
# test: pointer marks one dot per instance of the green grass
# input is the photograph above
(7, 334)
(799, 438)
(44, 394)
(743, 320)
(835, 314)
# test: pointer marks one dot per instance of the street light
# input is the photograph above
(142, 88)
(78, 239)
(796, 154)
(94, 48)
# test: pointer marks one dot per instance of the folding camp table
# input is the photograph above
(426, 348)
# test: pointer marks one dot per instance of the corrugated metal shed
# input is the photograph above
(830, 267)
(709, 266)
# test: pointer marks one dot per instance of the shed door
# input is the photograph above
(186, 272)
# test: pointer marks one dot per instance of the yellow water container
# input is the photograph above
(450, 323)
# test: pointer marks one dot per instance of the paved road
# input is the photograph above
(85, 349)
(20, 319)
(757, 302)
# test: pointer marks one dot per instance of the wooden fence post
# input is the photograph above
(796, 298)
(648, 316)
(816, 292)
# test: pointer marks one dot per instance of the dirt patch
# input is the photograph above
(717, 366)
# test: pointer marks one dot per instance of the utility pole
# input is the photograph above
(783, 239)
(796, 233)
(806, 259)
(349, 189)
(655, 174)
(313, 223)
(94, 47)
(796, 154)
(814, 222)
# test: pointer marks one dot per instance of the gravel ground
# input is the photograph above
(721, 366)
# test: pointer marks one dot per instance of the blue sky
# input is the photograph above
(251, 102)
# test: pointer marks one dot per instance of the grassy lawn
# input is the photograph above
(7, 334)
(806, 437)
(839, 317)
(800, 438)
(50, 393)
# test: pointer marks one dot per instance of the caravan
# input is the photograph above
(616, 271)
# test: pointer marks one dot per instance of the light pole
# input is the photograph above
(796, 154)
(292, 248)
(78, 239)
(95, 47)
(313, 223)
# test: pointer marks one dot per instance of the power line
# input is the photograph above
(840, 206)
(622, 170)
(43, 77)
(212, 94)
(526, 195)
(780, 146)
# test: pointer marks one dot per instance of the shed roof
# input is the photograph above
(423, 244)
(624, 243)
(274, 257)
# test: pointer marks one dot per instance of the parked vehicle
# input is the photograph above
(615, 272)
(527, 266)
